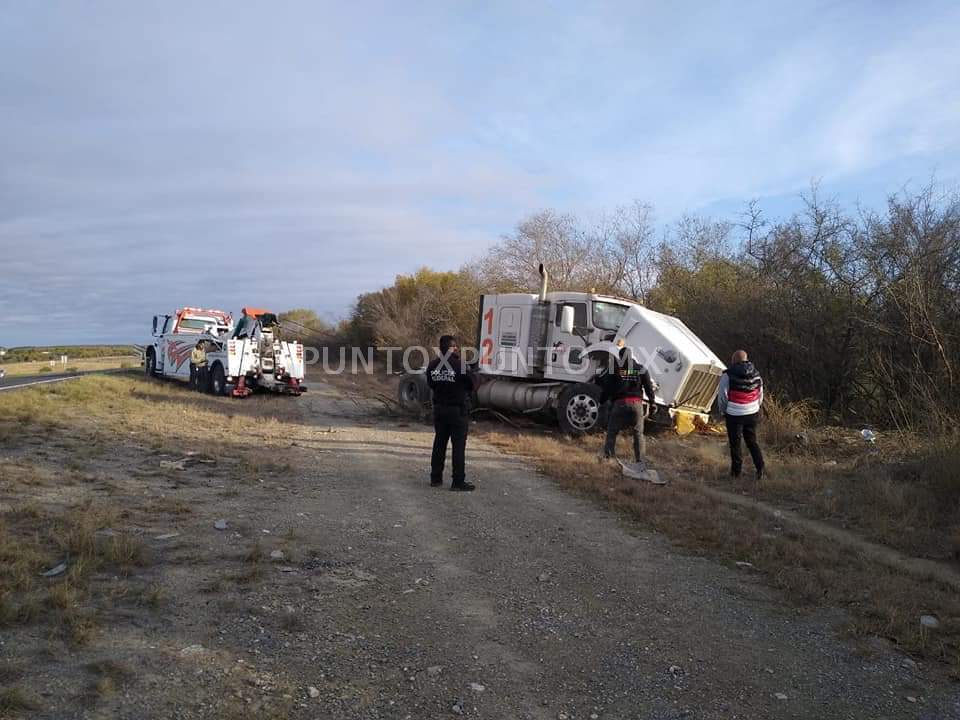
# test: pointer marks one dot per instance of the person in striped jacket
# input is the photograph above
(740, 397)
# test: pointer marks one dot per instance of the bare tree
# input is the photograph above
(630, 250)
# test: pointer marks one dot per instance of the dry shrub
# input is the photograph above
(783, 421)
(65, 604)
(75, 533)
(78, 627)
(125, 550)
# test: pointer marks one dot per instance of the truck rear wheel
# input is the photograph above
(578, 409)
(218, 380)
(413, 393)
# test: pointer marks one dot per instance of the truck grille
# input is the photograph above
(700, 388)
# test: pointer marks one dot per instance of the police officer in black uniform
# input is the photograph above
(452, 384)
(625, 384)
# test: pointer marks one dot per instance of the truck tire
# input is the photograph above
(578, 409)
(217, 383)
(150, 364)
(413, 393)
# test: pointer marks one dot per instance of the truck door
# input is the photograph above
(162, 344)
(564, 358)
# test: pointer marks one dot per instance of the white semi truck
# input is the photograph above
(539, 353)
(240, 359)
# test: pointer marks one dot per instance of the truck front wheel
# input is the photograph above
(578, 409)
(413, 392)
(150, 364)
(218, 381)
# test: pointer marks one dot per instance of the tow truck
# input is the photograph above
(241, 358)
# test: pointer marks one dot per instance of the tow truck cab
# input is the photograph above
(174, 336)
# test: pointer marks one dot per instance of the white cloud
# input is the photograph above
(305, 153)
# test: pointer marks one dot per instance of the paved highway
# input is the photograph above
(23, 381)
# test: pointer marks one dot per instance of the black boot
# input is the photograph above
(463, 486)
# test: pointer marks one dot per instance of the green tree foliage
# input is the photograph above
(304, 325)
(417, 309)
(30, 354)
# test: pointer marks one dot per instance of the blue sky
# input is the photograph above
(157, 154)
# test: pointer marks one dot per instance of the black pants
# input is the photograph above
(193, 376)
(201, 378)
(624, 416)
(744, 426)
(450, 423)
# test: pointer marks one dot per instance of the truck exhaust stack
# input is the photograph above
(543, 283)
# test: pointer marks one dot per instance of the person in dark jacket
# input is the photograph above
(452, 384)
(625, 385)
(739, 399)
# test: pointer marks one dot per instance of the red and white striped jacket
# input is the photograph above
(741, 390)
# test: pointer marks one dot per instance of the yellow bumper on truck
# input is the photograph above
(686, 421)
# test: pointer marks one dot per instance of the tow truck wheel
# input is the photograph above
(150, 364)
(218, 381)
(578, 409)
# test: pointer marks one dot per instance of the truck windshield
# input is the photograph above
(195, 324)
(608, 315)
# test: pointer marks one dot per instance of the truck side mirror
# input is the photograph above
(566, 319)
(154, 324)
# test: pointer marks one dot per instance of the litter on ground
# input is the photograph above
(640, 471)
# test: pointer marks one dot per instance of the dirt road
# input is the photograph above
(395, 600)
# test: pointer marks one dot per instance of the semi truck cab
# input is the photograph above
(543, 351)
(539, 353)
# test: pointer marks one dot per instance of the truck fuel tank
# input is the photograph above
(522, 397)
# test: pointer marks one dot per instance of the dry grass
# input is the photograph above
(125, 551)
(109, 676)
(167, 506)
(784, 422)
(902, 491)
(14, 701)
(81, 364)
(105, 686)
(808, 569)
(79, 481)
(103, 407)
(253, 565)
(32, 541)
